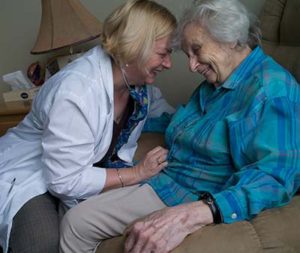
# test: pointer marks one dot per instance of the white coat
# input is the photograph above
(68, 129)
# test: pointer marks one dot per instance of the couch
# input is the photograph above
(273, 231)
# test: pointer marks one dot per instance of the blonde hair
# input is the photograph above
(130, 31)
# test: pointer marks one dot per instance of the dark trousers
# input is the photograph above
(35, 227)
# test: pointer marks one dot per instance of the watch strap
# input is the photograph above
(208, 199)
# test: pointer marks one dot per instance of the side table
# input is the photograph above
(11, 113)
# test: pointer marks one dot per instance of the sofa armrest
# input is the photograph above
(146, 142)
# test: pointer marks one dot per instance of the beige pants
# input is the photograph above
(105, 216)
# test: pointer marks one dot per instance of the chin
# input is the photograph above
(149, 80)
(211, 79)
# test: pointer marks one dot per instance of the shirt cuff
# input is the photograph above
(97, 180)
(229, 207)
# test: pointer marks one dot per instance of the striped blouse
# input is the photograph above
(240, 142)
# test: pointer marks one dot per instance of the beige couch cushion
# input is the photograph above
(281, 34)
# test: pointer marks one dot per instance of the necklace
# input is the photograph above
(125, 79)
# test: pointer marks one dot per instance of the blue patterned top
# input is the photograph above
(140, 97)
(240, 142)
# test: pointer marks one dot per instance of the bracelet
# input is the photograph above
(120, 177)
(208, 199)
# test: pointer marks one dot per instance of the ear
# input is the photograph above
(233, 45)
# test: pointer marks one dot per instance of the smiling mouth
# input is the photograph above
(204, 71)
(156, 71)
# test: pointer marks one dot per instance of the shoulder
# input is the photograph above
(88, 74)
(91, 65)
(81, 80)
(276, 81)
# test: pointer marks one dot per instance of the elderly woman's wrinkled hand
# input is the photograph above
(153, 162)
(163, 230)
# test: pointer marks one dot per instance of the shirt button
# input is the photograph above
(233, 216)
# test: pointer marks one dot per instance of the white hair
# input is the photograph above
(227, 21)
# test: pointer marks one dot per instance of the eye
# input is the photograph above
(170, 50)
(196, 49)
(162, 55)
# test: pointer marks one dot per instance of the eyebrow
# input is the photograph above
(165, 50)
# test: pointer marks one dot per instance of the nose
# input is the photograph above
(167, 62)
(193, 63)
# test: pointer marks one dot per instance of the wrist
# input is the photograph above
(208, 199)
(198, 215)
(137, 173)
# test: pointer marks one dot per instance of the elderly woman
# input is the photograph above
(234, 148)
(85, 119)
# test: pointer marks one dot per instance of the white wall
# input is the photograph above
(19, 24)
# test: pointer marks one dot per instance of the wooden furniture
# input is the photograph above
(11, 113)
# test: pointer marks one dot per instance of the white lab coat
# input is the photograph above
(68, 129)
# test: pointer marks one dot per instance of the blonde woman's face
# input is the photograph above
(159, 60)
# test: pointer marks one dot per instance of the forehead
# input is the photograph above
(194, 33)
(163, 43)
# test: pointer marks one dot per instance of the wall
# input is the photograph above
(19, 24)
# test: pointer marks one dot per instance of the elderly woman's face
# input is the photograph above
(206, 56)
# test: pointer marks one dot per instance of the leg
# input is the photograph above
(105, 216)
(35, 227)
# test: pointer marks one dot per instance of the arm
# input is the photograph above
(153, 162)
(165, 229)
(265, 150)
(69, 141)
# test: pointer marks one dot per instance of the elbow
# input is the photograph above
(61, 190)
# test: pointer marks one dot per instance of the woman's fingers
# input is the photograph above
(158, 154)
(152, 163)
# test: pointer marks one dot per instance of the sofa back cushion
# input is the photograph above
(281, 33)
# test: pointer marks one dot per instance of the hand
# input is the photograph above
(153, 162)
(163, 230)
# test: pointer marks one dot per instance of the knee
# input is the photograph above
(73, 224)
(74, 232)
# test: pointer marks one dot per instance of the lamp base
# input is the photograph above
(57, 63)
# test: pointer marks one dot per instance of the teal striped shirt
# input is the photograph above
(240, 142)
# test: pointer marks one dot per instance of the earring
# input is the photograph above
(126, 65)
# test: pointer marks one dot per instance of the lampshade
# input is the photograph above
(64, 23)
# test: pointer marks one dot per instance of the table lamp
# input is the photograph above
(64, 23)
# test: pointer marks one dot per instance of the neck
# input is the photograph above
(125, 78)
(120, 85)
(241, 55)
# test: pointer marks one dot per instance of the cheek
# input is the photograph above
(154, 63)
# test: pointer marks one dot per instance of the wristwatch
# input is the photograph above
(208, 199)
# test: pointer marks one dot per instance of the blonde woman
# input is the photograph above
(81, 134)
